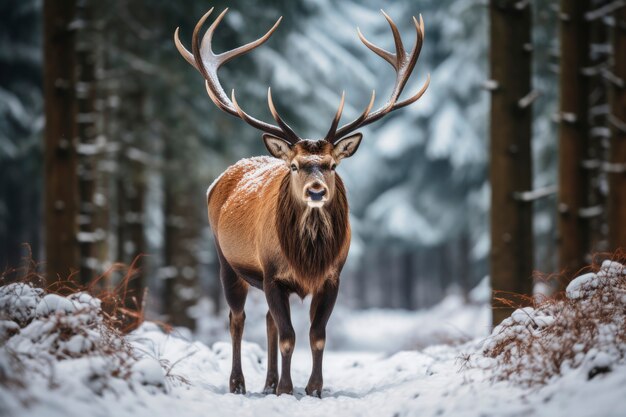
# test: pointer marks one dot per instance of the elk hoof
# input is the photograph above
(284, 388)
(237, 385)
(270, 387)
(314, 389)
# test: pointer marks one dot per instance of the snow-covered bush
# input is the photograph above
(40, 330)
(18, 302)
(585, 330)
(66, 341)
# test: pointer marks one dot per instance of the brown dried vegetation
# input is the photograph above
(41, 324)
(583, 327)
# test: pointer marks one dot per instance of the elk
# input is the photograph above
(281, 223)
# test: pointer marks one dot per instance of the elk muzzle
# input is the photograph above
(315, 194)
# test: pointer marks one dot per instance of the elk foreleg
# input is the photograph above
(272, 356)
(321, 308)
(278, 302)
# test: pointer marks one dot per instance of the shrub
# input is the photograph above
(584, 328)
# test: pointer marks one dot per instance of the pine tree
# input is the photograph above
(617, 172)
(61, 182)
(574, 143)
(510, 169)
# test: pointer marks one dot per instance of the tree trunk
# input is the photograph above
(574, 184)
(60, 159)
(510, 168)
(131, 192)
(88, 130)
(599, 134)
(617, 175)
(465, 264)
(182, 235)
(407, 279)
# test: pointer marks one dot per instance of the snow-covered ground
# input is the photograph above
(366, 372)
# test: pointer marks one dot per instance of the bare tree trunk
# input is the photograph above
(617, 175)
(407, 279)
(510, 168)
(131, 192)
(599, 134)
(182, 235)
(88, 130)
(465, 264)
(104, 188)
(574, 144)
(60, 160)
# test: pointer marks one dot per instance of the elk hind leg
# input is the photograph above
(278, 303)
(235, 292)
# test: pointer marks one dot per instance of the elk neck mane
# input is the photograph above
(311, 238)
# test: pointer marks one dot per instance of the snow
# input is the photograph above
(379, 363)
(582, 333)
(19, 300)
(148, 371)
(256, 171)
(53, 303)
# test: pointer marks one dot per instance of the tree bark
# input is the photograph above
(510, 149)
(465, 264)
(617, 175)
(60, 159)
(598, 139)
(574, 144)
(182, 241)
(88, 130)
(131, 192)
(407, 279)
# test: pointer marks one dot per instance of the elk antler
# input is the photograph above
(402, 64)
(207, 62)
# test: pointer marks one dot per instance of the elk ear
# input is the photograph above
(347, 146)
(279, 148)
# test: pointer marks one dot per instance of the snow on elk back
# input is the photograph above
(252, 173)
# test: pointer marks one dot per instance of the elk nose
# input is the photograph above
(316, 194)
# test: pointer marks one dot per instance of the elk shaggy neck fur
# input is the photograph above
(311, 238)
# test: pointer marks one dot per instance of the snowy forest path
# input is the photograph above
(356, 383)
(435, 381)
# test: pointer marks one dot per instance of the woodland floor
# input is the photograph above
(380, 379)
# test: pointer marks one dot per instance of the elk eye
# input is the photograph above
(294, 167)
(333, 166)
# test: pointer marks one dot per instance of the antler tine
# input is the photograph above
(208, 35)
(356, 122)
(383, 53)
(251, 120)
(333, 127)
(181, 48)
(419, 38)
(202, 59)
(208, 63)
(400, 52)
(416, 97)
(228, 55)
(284, 126)
(404, 67)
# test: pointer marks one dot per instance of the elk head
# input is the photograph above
(312, 162)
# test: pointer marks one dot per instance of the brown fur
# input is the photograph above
(311, 239)
(269, 235)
